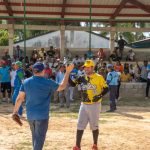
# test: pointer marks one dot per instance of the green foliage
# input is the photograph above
(3, 37)
(128, 36)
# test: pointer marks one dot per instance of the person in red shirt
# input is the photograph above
(118, 67)
(47, 71)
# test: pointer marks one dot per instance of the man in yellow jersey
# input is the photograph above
(93, 88)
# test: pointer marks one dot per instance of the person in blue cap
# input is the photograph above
(37, 91)
(112, 80)
(17, 83)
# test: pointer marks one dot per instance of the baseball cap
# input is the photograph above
(38, 67)
(18, 63)
(89, 63)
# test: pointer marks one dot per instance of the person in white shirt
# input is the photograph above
(76, 60)
(12, 76)
(83, 59)
(130, 55)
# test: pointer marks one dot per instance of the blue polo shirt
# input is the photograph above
(38, 96)
(112, 78)
(5, 74)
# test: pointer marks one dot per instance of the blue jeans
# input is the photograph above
(38, 129)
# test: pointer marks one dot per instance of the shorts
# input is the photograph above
(89, 113)
(6, 86)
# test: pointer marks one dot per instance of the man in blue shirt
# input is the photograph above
(112, 81)
(37, 92)
(62, 94)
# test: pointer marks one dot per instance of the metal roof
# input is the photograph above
(77, 10)
(141, 44)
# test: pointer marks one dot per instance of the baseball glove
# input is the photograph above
(17, 119)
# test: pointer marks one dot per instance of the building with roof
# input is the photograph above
(73, 40)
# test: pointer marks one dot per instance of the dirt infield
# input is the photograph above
(127, 129)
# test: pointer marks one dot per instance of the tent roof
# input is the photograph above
(141, 44)
(77, 10)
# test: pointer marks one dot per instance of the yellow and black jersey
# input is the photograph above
(94, 86)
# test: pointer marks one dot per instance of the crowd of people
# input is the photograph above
(55, 69)
(92, 74)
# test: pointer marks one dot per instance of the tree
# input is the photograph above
(3, 37)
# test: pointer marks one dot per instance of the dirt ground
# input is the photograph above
(127, 129)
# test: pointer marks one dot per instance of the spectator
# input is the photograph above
(126, 67)
(118, 67)
(6, 57)
(26, 60)
(112, 81)
(34, 56)
(76, 60)
(62, 94)
(126, 77)
(19, 78)
(137, 72)
(5, 81)
(47, 71)
(101, 54)
(68, 54)
(130, 55)
(51, 52)
(121, 44)
(83, 59)
(89, 54)
(102, 72)
(57, 53)
(18, 53)
(42, 54)
(131, 71)
(28, 71)
(114, 56)
(143, 70)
